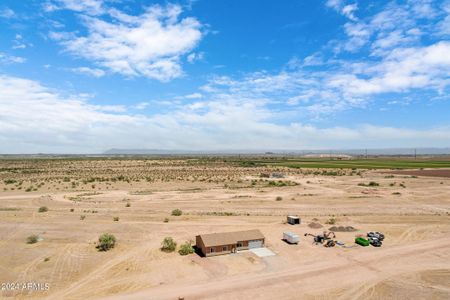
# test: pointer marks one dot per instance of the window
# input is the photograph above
(239, 244)
(211, 250)
(225, 248)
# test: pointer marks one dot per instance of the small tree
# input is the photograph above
(186, 248)
(177, 212)
(43, 209)
(32, 239)
(106, 241)
(168, 245)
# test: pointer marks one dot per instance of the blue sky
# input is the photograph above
(86, 76)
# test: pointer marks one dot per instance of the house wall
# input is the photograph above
(218, 250)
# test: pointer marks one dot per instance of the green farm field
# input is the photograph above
(376, 163)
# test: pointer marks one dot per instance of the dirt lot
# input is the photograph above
(414, 214)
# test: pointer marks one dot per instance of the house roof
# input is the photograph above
(228, 238)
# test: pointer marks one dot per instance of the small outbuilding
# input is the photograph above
(293, 220)
(229, 242)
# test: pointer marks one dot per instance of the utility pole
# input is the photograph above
(415, 153)
(366, 153)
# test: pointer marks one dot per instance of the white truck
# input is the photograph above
(291, 237)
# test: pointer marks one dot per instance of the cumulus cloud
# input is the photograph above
(148, 45)
(35, 118)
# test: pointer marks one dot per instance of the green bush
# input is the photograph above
(177, 212)
(32, 239)
(106, 242)
(186, 248)
(168, 245)
(43, 209)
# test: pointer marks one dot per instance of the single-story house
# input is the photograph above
(229, 242)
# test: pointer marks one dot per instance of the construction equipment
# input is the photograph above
(325, 238)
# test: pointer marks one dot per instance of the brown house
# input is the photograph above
(229, 242)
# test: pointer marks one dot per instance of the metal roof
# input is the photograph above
(228, 238)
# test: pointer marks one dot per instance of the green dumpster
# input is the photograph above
(362, 241)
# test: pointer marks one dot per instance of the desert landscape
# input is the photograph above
(67, 203)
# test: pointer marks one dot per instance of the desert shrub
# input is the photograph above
(32, 239)
(186, 248)
(72, 210)
(331, 221)
(106, 242)
(371, 184)
(396, 193)
(47, 259)
(128, 204)
(279, 198)
(66, 179)
(43, 209)
(82, 217)
(9, 181)
(116, 219)
(177, 212)
(166, 220)
(168, 245)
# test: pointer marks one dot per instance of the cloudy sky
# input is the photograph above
(86, 76)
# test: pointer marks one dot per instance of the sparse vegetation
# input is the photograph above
(168, 245)
(331, 221)
(106, 242)
(166, 220)
(32, 239)
(177, 212)
(43, 209)
(279, 198)
(116, 219)
(128, 204)
(370, 184)
(82, 217)
(186, 248)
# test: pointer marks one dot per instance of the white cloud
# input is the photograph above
(148, 45)
(347, 10)
(89, 71)
(91, 7)
(34, 118)
(7, 13)
(10, 59)
(193, 57)
(194, 96)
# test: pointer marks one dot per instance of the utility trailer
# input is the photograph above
(293, 220)
(291, 237)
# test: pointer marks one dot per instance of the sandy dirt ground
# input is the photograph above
(413, 213)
